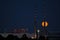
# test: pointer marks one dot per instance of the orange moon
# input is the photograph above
(44, 24)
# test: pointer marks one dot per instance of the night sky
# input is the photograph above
(20, 14)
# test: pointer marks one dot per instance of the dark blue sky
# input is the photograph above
(15, 13)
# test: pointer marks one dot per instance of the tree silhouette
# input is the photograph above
(11, 37)
(1, 37)
(24, 37)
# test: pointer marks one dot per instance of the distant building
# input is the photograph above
(22, 30)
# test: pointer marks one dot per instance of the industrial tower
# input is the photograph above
(35, 16)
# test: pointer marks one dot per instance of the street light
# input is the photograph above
(38, 33)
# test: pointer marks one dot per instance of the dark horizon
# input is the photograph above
(20, 14)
